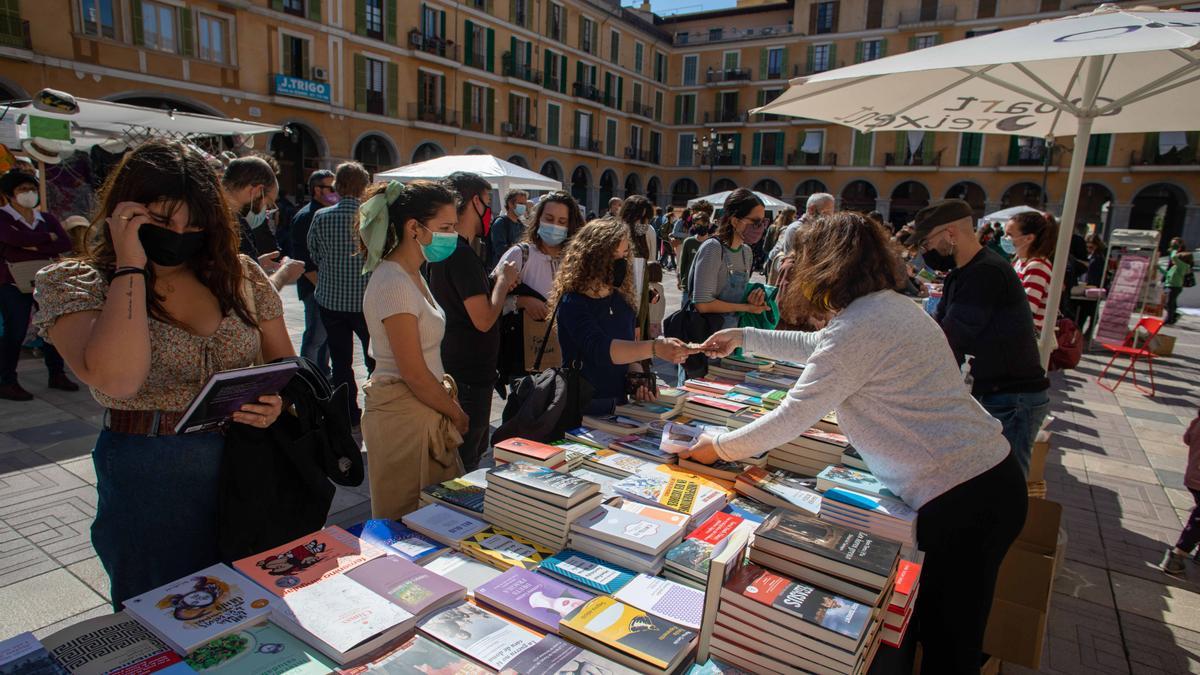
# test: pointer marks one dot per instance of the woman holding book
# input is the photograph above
(723, 265)
(159, 303)
(884, 366)
(594, 303)
(413, 423)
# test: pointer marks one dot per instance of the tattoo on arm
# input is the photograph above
(130, 294)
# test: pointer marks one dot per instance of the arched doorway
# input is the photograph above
(1095, 207)
(1159, 206)
(374, 152)
(653, 187)
(477, 151)
(724, 185)
(296, 150)
(552, 170)
(907, 198)
(768, 187)
(859, 196)
(580, 182)
(519, 161)
(1027, 194)
(426, 152)
(972, 194)
(809, 187)
(633, 185)
(608, 186)
(683, 190)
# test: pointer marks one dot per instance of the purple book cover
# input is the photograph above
(531, 597)
(413, 588)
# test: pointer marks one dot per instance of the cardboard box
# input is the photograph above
(1037, 455)
(1162, 345)
(990, 667)
(1016, 627)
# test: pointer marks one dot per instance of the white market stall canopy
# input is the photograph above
(1004, 215)
(502, 175)
(718, 200)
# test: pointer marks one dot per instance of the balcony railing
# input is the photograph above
(584, 90)
(432, 44)
(482, 125)
(521, 71)
(1185, 157)
(481, 5)
(799, 158)
(727, 75)
(724, 116)
(432, 114)
(19, 38)
(586, 144)
(638, 154)
(913, 17)
(731, 34)
(522, 131)
(892, 159)
(635, 108)
(551, 82)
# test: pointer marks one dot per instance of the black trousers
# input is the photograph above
(340, 330)
(15, 307)
(965, 534)
(476, 401)
(1173, 303)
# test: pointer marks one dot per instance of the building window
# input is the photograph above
(768, 148)
(1098, 147)
(518, 113)
(875, 14)
(553, 114)
(431, 99)
(614, 47)
(775, 65)
(295, 56)
(658, 106)
(639, 54)
(970, 149)
(812, 143)
(294, 7)
(431, 22)
(477, 39)
(687, 149)
(869, 50)
(159, 30)
(655, 147)
(923, 41)
(731, 60)
(685, 109)
(635, 139)
(820, 58)
(586, 42)
(681, 38)
(583, 131)
(1050, 6)
(373, 16)
(660, 67)
(826, 11)
(864, 148)
(1026, 150)
(610, 138)
(376, 98)
(715, 34)
(637, 93)
(98, 18)
(213, 37)
(691, 66)
(987, 9)
(556, 22)
(477, 108)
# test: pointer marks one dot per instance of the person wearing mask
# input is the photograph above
(1094, 277)
(506, 230)
(636, 213)
(251, 188)
(1032, 237)
(679, 233)
(662, 228)
(753, 236)
(27, 234)
(1180, 265)
(817, 205)
(722, 266)
(701, 230)
(614, 207)
(313, 344)
(413, 423)
(160, 303)
(472, 303)
(884, 367)
(341, 280)
(594, 300)
(984, 313)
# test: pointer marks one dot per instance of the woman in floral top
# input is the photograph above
(160, 304)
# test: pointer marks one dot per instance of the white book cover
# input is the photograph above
(479, 634)
(463, 570)
(628, 529)
(341, 612)
(189, 612)
(443, 522)
(664, 598)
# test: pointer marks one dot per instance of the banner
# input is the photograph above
(1123, 297)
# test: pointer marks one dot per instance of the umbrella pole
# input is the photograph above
(1066, 226)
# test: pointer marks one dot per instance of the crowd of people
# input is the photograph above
(181, 273)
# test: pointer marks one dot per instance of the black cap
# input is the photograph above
(15, 178)
(936, 214)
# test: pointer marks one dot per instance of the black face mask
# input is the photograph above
(168, 248)
(619, 268)
(938, 261)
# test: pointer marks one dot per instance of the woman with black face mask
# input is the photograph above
(160, 302)
(594, 303)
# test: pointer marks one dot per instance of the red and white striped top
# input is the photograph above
(1035, 278)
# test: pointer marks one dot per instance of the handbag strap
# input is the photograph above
(537, 363)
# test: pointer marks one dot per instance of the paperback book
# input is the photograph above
(593, 437)
(398, 539)
(780, 488)
(419, 654)
(644, 410)
(531, 452)
(227, 391)
(536, 599)
(443, 524)
(307, 560)
(627, 529)
(555, 656)
(854, 480)
(259, 650)
(587, 572)
(463, 570)
(113, 643)
(455, 493)
(628, 634)
(411, 587)
(552, 487)
(691, 556)
(23, 655)
(503, 549)
(676, 493)
(479, 634)
(342, 618)
(807, 609)
(615, 424)
(851, 554)
(665, 599)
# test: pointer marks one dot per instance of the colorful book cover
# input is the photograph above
(397, 539)
(480, 634)
(419, 654)
(870, 506)
(829, 437)
(444, 522)
(678, 437)
(265, 649)
(646, 444)
(627, 529)
(196, 609)
(539, 452)
(664, 598)
(793, 489)
(723, 405)
(707, 385)
(504, 549)
(655, 513)
(592, 437)
(621, 461)
(412, 587)
(575, 452)
(468, 572)
(853, 480)
(644, 636)
(844, 545)
(555, 656)
(588, 571)
(673, 492)
(696, 551)
(457, 492)
(23, 654)
(749, 509)
(605, 481)
(534, 598)
(908, 575)
(562, 485)
(341, 612)
(645, 410)
(113, 643)
(807, 603)
(307, 560)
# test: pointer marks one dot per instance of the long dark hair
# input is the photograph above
(1044, 230)
(169, 171)
(419, 200)
(635, 210)
(738, 204)
(532, 220)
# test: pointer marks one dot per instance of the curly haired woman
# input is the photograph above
(594, 302)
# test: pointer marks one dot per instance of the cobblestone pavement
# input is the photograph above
(1116, 466)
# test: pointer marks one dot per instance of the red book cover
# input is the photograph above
(307, 560)
(908, 575)
(716, 528)
(539, 451)
(719, 404)
(710, 385)
(827, 437)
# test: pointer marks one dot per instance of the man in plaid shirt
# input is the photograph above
(332, 244)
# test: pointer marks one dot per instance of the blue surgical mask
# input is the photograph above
(440, 247)
(1007, 244)
(519, 209)
(256, 219)
(552, 235)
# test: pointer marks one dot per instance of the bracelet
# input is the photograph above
(654, 348)
(122, 271)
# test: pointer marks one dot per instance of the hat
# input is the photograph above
(73, 222)
(15, 178)
(42, 150)
(937, 214)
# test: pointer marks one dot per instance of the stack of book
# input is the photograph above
(645, 446)
(666, 599)
(530, 452)
(594, 437)
(856, 499)
(532, 598)
(691, 497)
(617, 464)
(851, 563)
(854, 480)
(636, 537)
(688, 561)
(671, 396)
(443, 524)
(618, 425)
(464, 493)
(709, 386)
(723, 469)
(586, 572)
(604, 480)
(536, 502)
(576, 453)
(793, 370)
(397, 539)
(814, 450)
(781, 489)
(900, 604)
(713, 409)
(485, 637)
(503, 549)
(629, 636)
(651, 412)
(555, 656)
(773, 380)
(852, 459)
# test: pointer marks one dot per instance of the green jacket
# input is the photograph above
(1175, 273)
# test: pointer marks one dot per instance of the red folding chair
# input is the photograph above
(1134, 352)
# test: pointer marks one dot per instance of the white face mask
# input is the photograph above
(28, 200)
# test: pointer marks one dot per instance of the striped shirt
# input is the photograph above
(331, 245)
(1035, 278)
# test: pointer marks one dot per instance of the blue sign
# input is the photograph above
(286, 85)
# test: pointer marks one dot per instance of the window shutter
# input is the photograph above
(360, 17)
(442, 103)
(390, 20)
(812, 19)
(314, 10)
(762, 63)
(547, 57)
(512, 11)
(837, 6)
(737, 149)
(552, 114)
(360, 83)
(469, 35)
(595, 37)
(423, 104)
(862, 148)
(277, 5)
(491, 50)
(882, 47)
(1193, 140)
(780, 155)
(1098, 149)
(620, 91)
(811, 53)
(912, 43)
(549, 19)
(928, 148)
(187, 32)
(761, 98)
(579, 80)
(783, 65)
(562, 74)
(858, 52)
(466, 102)
(678, 109)
(286, 59)
(832, 57)
(756, 152)
(491, 110)
(1014, 149)
(512, 55)
(393, 89)
(135, 12)
(528, 12)
(937, 39)
(562, 37)
(442, 23)
(529, 54)
(582, 26)
(901, 147)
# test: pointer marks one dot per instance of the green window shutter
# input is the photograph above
(442, 23)
(390, 20)
(491, 50)
(512, 55)
(422, 103)
(780, 153)
(737, 149)
(862, 148)
(912, 43)
(562, 74)
(314, 10)
(762, 63)
(762, 98)
(442, 89)
(581, 27)
(1098, 149)
(469, 35)
(882, 47)
(579, 72)
(1193, 142)
(187, 32)
(528, 13)
(901, 147)
(811, 52)
(491, 110)
(360, 83)
(529, 54)
(1149, 146)
(512, 11)
(393, 89)
(552, 113)
(928, 146)
(756, 152)
(286, 59)
(968, 154)
(565, 33)
(135, 13)
(360, 17)
(937, 39)
(1014, 150)
(678, 109)
(466, 102)
(832, 57)
(547, 57)
(277, 5)
(858, 52)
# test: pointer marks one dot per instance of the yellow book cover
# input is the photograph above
(503, 549)
(725, 487)
(641, 635)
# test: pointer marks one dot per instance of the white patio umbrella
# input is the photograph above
(1107, 71)
(1003, 215)
(502, 175)
(717, 199)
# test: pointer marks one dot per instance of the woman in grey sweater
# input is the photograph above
(884, 365)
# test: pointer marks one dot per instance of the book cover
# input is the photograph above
(588, 571)
(644, 410)
(854, 480)
(411, 587)
(188, 612)
(227, 391)
(419, 654)
(534, 598)
(627, 529)
(720, 404)
(539, 452)
(645, 445)
(794, 490)
(605, 481)
(672, 491)
(555, 656)
(671, 395)
(457, 492)
(709, 385)
(398, 539)
(614, 424)
(678, 437)
(908, 575)
(749, 509)
(563, 485)
(443, 523)
(830, 437)
(664, 598)
(870, 507)
(113, 643)
(654, 513)
(23, 655)
(644, 636)
(696, 550)
(307, 560)
(852, 459)
(463, 570)
(621, 462)
(858, 549)
(807, 603)
(480, 634)
(265, 649)
(341, 612)
(592, 437)
(504, 549)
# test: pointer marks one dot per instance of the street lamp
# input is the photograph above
(711, 148)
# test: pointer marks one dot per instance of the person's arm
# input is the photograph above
(403, 332)
(482, 306)
(970, 311)
(313, 240)
(61, 243)
(17, 235)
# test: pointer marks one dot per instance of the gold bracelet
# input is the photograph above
(654, 348)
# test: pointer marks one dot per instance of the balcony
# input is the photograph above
(727, 75)
(432, 44)
(638, 154)
(731, 34)
(799, 158)
(481, 125)
(481, 5)
(551, 82)
(928, 16)
(723, 159)
(521, 131)
(18, 38)
(1186, 157)
(521, 71)
(587, 91)
(917, 159)
(433, 115)
(725, 117)
(635, 108)
(585, 143)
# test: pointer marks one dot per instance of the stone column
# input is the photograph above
(884, 206)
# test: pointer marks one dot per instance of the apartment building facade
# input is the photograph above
(610, 100)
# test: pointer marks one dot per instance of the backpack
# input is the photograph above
(1070, 345)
